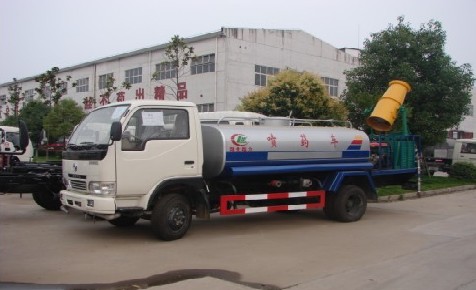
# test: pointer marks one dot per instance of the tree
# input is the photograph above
(51, 87)
(33, 114)
(14, 90)
(178, 54)
(299, 93)
(440, 95)
(62, 118)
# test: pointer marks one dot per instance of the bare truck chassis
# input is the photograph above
(43, 180)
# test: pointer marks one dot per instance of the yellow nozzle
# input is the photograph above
(385, 112)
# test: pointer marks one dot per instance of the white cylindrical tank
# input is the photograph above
(242, 150)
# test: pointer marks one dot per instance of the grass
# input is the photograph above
(51, 157)
(427, 183)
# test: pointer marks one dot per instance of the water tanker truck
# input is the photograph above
(155, 160)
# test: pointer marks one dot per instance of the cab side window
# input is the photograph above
(468, 148)
(180, 129)
(150, 124)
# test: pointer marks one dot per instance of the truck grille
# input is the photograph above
(78, 184)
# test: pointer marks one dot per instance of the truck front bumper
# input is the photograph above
(90, 204)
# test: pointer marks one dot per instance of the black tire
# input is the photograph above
(349, 204)
(47, 199)
(171, 217)
(124, 221)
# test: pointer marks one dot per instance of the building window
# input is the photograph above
(82, 85)
(262, 73)
(104, 80)
(29, 95)
(332, 86)
(3, 99)
(165, 70)
(134, 76)
(203, 64)
(206, 107)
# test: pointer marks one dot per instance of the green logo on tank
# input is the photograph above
(239, 140)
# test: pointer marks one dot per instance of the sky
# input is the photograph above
(36, 35)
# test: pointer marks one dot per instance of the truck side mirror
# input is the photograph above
(24, 139)
(116, 131)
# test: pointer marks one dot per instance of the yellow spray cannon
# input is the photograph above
(386, 110)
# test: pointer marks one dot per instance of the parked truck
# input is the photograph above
(18, 174)
(154, 160)
(459, 150)
(464, 151)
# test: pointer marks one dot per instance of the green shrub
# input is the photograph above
(463, 170)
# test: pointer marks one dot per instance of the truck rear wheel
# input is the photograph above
(47, 199)
(171, 217)
(349, 204)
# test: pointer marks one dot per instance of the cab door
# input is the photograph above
(157, 144)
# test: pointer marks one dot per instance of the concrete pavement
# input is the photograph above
(421, 243)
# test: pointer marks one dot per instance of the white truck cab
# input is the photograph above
(11, 135)
(158, 145)
(464, 151)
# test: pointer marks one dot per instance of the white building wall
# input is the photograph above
(202, 87)
(469, 123)
(80, 73)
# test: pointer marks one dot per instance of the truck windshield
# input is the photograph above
(95, 129)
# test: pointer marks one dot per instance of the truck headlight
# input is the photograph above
(102, 188)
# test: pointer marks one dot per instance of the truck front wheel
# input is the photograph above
(47, 198)
(171, 217)
(349, 204)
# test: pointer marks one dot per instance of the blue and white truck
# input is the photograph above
(154, 160)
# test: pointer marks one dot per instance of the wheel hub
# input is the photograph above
(176, 218)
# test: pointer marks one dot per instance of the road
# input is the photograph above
(427, 243)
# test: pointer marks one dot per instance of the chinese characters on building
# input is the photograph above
(159, 93)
